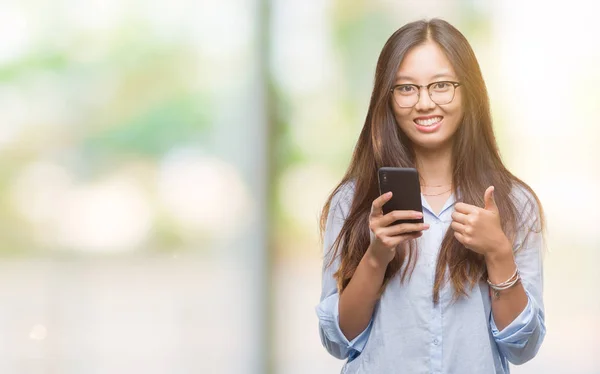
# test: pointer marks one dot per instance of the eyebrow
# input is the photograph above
(407, 78)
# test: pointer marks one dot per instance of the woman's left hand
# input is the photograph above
(479, 229)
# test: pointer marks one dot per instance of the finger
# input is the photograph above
(412, 235)
(488, 198)
(404, 228)
(415, 235)
(396, 215)
(460, 217)
(458, 227)
(460, 237)
(464, 208)
(377, 206)
(404, 237)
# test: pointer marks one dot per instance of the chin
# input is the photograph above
(432, 143)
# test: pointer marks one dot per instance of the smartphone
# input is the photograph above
(406, 189)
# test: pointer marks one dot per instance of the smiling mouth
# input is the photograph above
(429, 121)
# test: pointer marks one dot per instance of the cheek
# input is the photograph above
(403, 118)
(454, 115)
(458, 107)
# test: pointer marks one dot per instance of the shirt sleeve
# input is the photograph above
(332, 337)
(520, 341)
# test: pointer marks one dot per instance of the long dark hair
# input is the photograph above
(475, 160)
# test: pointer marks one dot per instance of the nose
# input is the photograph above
(425, 103)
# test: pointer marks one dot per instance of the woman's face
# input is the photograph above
(427, 124)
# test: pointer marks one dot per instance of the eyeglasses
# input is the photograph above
(407, 95)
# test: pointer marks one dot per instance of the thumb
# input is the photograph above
(488, 198)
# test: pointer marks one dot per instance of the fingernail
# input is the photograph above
(388, 194)
(419, 215)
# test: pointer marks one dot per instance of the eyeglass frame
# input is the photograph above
(419, 87)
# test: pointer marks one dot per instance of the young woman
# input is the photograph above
(462, 292)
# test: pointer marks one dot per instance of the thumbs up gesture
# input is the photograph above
(479, 229)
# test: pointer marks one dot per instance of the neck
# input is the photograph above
(434, 166)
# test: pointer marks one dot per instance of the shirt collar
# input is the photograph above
(449, 203)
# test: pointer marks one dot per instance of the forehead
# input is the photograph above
(424, 63)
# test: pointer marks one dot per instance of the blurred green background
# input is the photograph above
(163, 166)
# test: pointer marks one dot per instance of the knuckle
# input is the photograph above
(468, 230)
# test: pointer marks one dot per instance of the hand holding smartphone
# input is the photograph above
(406, 191)
(406, 223)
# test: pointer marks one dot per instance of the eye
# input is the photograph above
(405, 89)
(441, 86)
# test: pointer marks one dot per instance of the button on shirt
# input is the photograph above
(408, 333)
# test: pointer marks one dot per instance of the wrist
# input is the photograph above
(501, 255)
(500, 264)
(374, 261)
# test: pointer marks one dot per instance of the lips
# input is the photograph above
(428, 124)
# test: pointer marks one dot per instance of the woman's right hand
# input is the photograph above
(385, 238)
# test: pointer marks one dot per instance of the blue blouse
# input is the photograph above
(408, 333)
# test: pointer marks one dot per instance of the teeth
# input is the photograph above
(428, 122)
